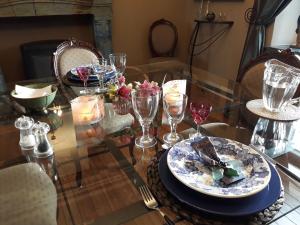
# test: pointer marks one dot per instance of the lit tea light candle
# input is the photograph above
(174, 103)
(173, 97)
(86, 110)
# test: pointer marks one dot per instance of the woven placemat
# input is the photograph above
(167, 200)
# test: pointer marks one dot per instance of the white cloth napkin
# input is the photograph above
(26, 92)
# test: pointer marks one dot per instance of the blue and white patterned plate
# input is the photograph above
(188, 168)
(109, 71)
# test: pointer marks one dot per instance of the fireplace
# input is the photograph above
(91, 19)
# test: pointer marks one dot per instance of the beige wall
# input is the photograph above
(132, 19)
(223, 57)
(131, 22)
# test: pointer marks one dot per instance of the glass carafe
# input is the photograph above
(43, 148)
(279, 85)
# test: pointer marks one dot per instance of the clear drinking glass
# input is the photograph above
(273, 137)
(145, 104)
(174, 107)
(84, 73)
(100, 69)
(118, 63)
(279, 85)
(200, 112)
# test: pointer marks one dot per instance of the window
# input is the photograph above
(285, 25)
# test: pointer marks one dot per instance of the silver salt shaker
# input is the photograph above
(27, 139)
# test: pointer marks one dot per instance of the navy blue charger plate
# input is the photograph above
(238, 207)
(107, 77)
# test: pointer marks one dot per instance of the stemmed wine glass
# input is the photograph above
(100, 69)
(174, 106)
(145, 104)
(118, 63)
(200, 112)
(84, 73)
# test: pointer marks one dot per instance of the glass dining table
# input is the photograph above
(97, 172)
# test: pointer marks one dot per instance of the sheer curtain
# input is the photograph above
(264, 13)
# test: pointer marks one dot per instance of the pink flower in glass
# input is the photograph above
(124, 92)
(145, 85)
(121, 80)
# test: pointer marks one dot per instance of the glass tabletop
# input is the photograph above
(97, 172)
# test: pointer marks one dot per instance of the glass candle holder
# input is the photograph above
(86, 110)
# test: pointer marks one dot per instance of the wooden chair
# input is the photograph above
(162, 38)
(73, 53)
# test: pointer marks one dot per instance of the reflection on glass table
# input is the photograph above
(274, 137)
(99, 182)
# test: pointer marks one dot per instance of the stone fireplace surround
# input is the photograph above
(101, 11)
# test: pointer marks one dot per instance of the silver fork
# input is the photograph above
(151, 203)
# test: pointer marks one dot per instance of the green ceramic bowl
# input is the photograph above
(38, 103)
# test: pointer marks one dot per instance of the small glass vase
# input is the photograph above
(122, 106)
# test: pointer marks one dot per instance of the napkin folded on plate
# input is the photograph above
(26, 92)
(226, 172)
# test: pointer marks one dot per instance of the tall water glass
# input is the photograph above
(100, 69)
(174, 107)
(279, 85)
(118, 63)
(145, 104)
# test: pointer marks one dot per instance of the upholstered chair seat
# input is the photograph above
(27, 196)
(74, 57)
(73, 53)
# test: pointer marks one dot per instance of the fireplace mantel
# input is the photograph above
(101, 10)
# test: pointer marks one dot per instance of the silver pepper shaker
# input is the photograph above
(43, 148)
